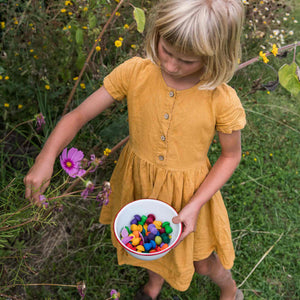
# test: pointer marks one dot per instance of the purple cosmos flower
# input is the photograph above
(81, 288)
(89, 188)
(114, 294)
(43, 199)
(95, 162)
(103, 196)
(40, 121)
(71, 162)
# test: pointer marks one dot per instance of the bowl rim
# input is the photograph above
(153, 253)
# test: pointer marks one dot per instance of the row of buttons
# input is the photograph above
(166, 116)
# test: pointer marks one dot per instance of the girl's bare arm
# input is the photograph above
(216, 178)
(38, 177)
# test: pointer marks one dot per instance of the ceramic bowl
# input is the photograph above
(162, 211)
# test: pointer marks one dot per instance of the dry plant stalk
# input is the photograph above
(89, 57)
(263, 257)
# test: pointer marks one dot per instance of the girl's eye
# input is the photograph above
(168, 53)
(187, 62)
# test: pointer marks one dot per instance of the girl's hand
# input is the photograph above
(188, 217)
(37, 180)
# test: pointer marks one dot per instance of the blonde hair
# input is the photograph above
(207, 28)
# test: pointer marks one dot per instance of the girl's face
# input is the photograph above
(176, 66)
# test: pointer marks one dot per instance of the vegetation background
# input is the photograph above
(56, 251)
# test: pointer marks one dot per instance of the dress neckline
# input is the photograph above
(194, 87)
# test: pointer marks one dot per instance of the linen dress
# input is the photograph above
(166, 158)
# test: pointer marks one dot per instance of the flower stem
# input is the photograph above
(18, 125)
(16, 212)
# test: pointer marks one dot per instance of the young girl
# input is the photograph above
(177, 98)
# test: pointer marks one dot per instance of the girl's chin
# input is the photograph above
(173, 75)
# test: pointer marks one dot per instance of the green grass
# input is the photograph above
(46, 258)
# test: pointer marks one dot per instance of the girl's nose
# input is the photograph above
(171, 65)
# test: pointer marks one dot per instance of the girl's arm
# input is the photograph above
(38, 177)
(216, 178)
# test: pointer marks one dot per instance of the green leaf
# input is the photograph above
(289, 79)
(80, 60)
(79, 36)
(92, 21)
(140, 19)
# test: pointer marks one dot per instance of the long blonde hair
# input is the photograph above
(207, 28)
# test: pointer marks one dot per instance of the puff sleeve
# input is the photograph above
(119, 80)
(229, 112)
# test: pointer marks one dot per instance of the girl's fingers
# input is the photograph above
(27, 191)
(32, 192)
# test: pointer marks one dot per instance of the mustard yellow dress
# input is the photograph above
(166, 159)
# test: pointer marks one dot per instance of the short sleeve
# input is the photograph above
(229, 112)
(118, 81)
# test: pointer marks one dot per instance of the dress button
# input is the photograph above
(166, 116)
(171, 94)
(161, 158)
(163, 138)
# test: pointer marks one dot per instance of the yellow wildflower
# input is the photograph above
(117, 14)
(16, 22)
(126, 26)
(274, 50)
(6, 105)
(36, 57)
(75, 78)
(70, 13)
(255, 159)
(84, 27)
(98, 48)
(20, 106)
(271, 154)
(6, 77)
(121, 39)
(68, 3)
(106, 151)
(82, 85)
(118, 43)
(85, 8)
(133, 46)
(1, 77)
(264, 57)
(2, 25)
(47, 87)
(63, 10)
(31, 50)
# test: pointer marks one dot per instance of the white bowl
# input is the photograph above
(162, 211)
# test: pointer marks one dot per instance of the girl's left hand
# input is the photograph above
(188, 217)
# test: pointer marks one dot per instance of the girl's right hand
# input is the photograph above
(37, 180)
